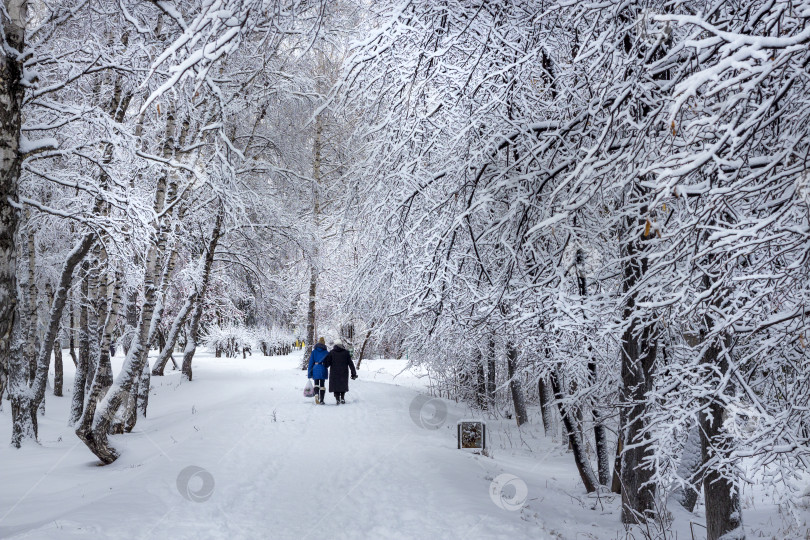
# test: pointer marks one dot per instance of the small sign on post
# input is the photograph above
(472, 435)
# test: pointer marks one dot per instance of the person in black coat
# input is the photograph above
(339, 362)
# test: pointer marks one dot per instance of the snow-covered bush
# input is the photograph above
(274, 341)
(229, 340)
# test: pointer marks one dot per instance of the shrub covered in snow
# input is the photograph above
(274, 340)
(229, 340)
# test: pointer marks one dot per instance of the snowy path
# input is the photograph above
(284, 468)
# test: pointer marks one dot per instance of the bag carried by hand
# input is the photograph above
(309, 389)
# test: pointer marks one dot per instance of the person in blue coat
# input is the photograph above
(318, 370)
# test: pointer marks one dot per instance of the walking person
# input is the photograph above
(318, 371)
(339, 362)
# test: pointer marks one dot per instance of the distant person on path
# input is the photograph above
(339, 360)
(318, 371)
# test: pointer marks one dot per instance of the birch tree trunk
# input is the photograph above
(11, 96)
(171, 339)
(144, 379)
(31, 308)
(72, 331)
(167, 256)
(96, 436)
(313, 268)
(142, 398)
(58, 372)
(104, 367)
(80, 378)
(58, 366)
(191, 336)
(313, 284)
(27, 402)
(92, 304)
(104, 370)
(131, 321)
(103, 376)
(363, 347)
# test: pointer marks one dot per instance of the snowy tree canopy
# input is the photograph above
(601, 210)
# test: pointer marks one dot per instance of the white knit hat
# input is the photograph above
(338, 342)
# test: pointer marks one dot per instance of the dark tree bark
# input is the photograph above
(481, 381)
(584, 468)
(545, 405)
(3, 380)
(58, 369)
(720, 493)
(491, 373)
(691, 462)
(600, 434)
(362, 348)
(638, 351)
(518, 397)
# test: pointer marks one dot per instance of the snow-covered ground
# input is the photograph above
(240, 453)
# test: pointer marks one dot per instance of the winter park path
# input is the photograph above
(239, 453)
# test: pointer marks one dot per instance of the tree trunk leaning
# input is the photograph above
(518, 396)
(25, 424)
(171, 338)
(584, 467)
(191, 337)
